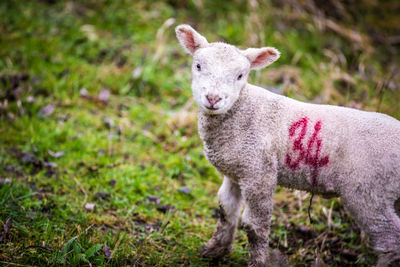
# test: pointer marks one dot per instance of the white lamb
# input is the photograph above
(258, 140)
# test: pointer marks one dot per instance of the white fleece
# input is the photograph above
(258, 140)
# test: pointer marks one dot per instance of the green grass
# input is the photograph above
(132, 155)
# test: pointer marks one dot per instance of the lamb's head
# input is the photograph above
(219, 70)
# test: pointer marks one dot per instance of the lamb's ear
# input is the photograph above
(261, 57)
(189, 38)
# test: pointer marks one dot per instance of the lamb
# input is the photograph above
(258, 140)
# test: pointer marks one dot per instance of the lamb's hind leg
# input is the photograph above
(377, 217)
(230, 200)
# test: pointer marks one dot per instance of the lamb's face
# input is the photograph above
(219, 72)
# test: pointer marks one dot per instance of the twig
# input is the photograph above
(116, 246)
(81, 187)
(41, 247)
(382, 88)
(15, 264)
(309, 207)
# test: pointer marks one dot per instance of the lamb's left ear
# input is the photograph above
(261, 57)
(189, 38)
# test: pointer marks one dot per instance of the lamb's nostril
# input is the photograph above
(213, 99)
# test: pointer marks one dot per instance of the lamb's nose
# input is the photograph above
(213, 99)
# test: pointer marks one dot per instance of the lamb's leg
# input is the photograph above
(378, 219)
(230, 200)
(258, 198)
(387, 240)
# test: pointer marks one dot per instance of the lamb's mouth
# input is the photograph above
(211, 108)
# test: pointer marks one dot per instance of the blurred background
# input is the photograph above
(100, 160)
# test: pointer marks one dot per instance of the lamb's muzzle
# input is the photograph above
(212, 100)
(258, 140)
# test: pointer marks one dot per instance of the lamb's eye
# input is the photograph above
(240, 77)
(198, 67)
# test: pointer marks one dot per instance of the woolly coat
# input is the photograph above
(329, 150)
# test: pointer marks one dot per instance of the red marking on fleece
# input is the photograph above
(309, 156)
(297, 143)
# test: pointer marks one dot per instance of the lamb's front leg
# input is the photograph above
(230, 200)
(258, 198)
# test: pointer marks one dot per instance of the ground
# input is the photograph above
(101, 163)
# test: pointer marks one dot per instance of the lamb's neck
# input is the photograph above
(255, 110)
(210, 124)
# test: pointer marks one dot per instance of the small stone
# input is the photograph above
(89, 206)
(46, 111)
(83, 92)
(104, 95)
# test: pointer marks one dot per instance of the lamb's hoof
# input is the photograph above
(278, 259)
(275, 259)
(255, 263)
(214, 252)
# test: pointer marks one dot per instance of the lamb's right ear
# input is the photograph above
(261, 57)
(189, 39)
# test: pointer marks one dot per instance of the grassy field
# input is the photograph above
(100, 160)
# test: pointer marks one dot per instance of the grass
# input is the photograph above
(136, 154)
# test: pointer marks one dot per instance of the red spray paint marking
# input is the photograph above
(309, 156)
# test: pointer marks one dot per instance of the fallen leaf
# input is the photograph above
(104, 95)
(28, 158)
(83, 92)
(50, 165)
(56, 154)
(137, 72)
(107, 252)
(5, 180)
(46, 111)
(89, 206)
(6, 227)
(30, 99)
(184, 190)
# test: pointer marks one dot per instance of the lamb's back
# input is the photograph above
(352, 142)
